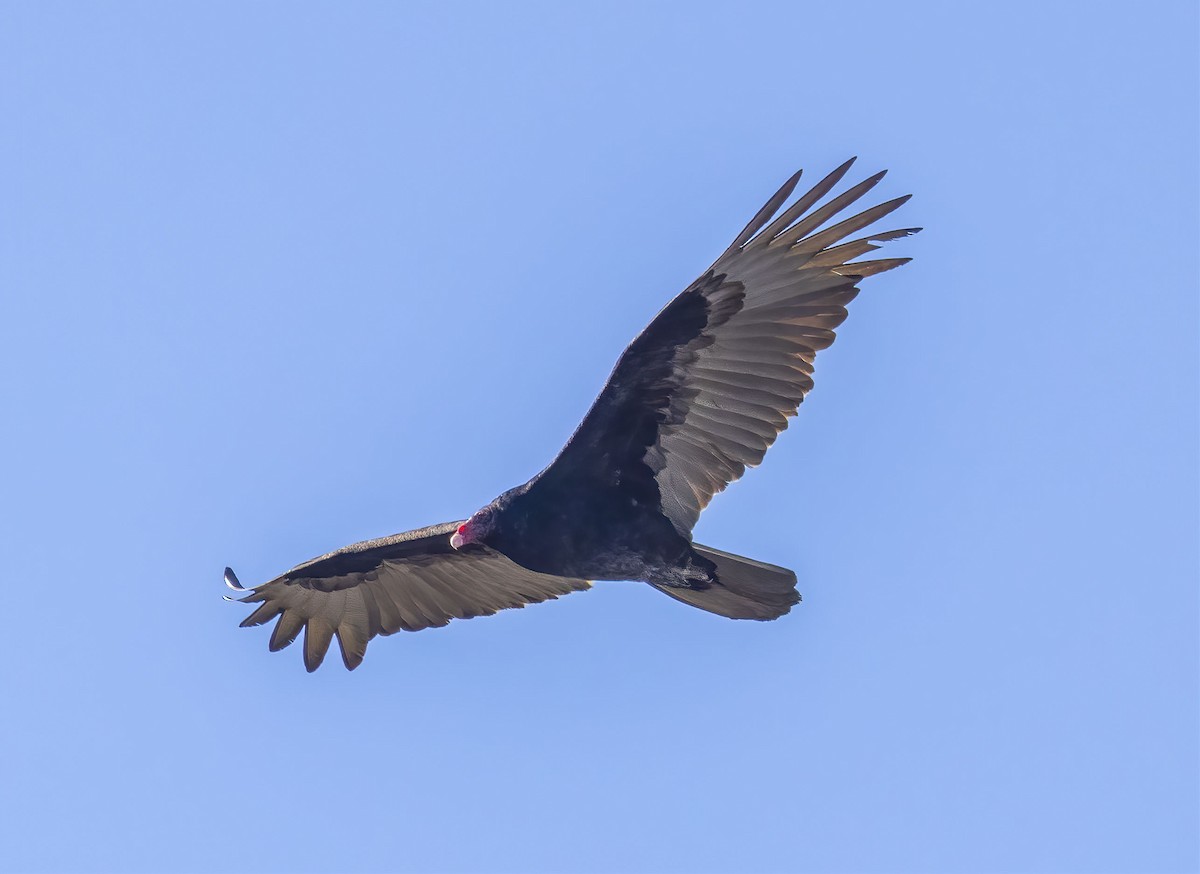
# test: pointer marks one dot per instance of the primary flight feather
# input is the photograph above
(698, 396)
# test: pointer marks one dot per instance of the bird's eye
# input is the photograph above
(462, 528)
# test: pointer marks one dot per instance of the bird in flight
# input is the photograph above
(695, 399)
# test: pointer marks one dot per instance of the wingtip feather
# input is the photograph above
(772, 206)
(863, 269)
(350, 658)
(318, 634)
(286, 630)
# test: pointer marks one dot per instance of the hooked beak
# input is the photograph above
(457, 540)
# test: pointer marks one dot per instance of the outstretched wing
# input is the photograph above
(705, 389)
(405, 582)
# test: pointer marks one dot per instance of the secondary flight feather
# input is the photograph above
(696, 398)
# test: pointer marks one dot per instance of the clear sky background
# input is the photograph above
(277, 277)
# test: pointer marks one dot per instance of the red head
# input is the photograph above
(475, 529)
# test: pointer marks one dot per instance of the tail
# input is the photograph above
(744, 588)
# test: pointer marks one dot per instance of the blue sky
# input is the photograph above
(278, 277)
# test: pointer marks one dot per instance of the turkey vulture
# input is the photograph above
(698, 396)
